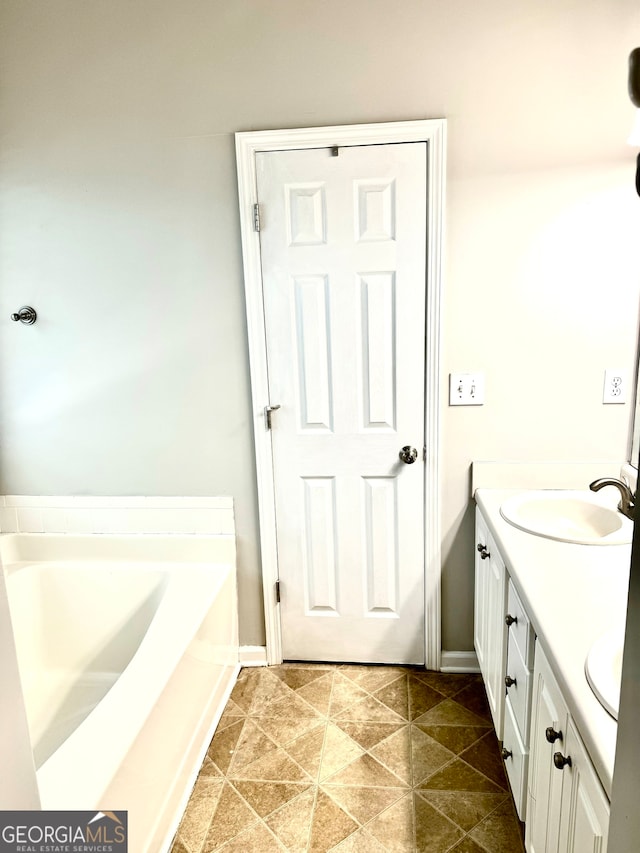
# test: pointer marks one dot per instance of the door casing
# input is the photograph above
(433, 132)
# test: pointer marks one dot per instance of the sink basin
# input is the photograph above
(568, 516)
(603, 669)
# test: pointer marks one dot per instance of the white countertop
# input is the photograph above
(573, 594)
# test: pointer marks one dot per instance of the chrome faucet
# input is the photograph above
(627, 498)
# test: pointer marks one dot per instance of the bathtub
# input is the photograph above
(127, 649)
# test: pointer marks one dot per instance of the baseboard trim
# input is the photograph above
(458, 662)
(252, 655)
(450, 661)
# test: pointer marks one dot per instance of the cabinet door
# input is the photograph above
(490, 634)
(480, 614)
(584, 809)
(548, 712)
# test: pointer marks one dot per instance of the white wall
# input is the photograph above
(118, 223)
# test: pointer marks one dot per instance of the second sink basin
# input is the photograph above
(603, 669)
(579, 517)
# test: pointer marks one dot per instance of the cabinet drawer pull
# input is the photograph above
(506, 753)
(510, 620)
(510, 682)
(552, 735)
(482, 550)
(561, 761)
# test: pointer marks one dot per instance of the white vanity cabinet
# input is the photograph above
(490, 632)
(567, 808)
(525, 655)
(518, 682)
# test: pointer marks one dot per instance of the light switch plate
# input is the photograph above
(466, 389)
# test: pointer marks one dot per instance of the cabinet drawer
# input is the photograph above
(520, 629)
(516, 758)
(519, 694)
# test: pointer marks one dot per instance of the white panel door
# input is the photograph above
(343, 246)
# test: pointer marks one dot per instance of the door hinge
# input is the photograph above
(256, 217)
(277, 592)
(267, 415)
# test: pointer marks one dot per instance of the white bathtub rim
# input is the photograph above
(159, 643)
(117, 547)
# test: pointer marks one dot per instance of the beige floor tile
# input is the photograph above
(450, 713)
(395, 696)
(290, 706)
(231, 817)
(455, 738)
(338, 751)
(285, 730)
(266, 797)
(258, 839)
(428, 755)
(292, 823)
(464, 808)
(244, 690)
(330, 824)
(209, 770)
(296, 677)
(370, 710)
(368, 772)
(484, 756)
(199, 813)
(372, 678)
(444, 682)
(500, 831)
(318, 693)
(474, 698)
(460, 776)
(369, 734)
(345, 693)
(231, 714)
(468, 845)
(251, 745)
(359, 842)
(307, 750)
(395, 754)
(362, 803)
(394, 828)
(276, 766)
(434, 832)
(222, 747)
(269, 691)
(422, 697)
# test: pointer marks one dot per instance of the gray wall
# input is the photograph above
(118, 222)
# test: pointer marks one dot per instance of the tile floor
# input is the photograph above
(352, 759)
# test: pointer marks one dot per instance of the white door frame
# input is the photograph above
(433, 132)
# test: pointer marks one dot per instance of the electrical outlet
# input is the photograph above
(466, 389)
(615, 386)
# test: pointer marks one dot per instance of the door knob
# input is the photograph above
(552, 735)
(408, 454)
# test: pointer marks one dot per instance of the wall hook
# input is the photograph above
(26, 315)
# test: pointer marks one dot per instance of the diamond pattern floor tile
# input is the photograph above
(311, 758)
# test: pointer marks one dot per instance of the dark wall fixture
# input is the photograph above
(634, 94)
